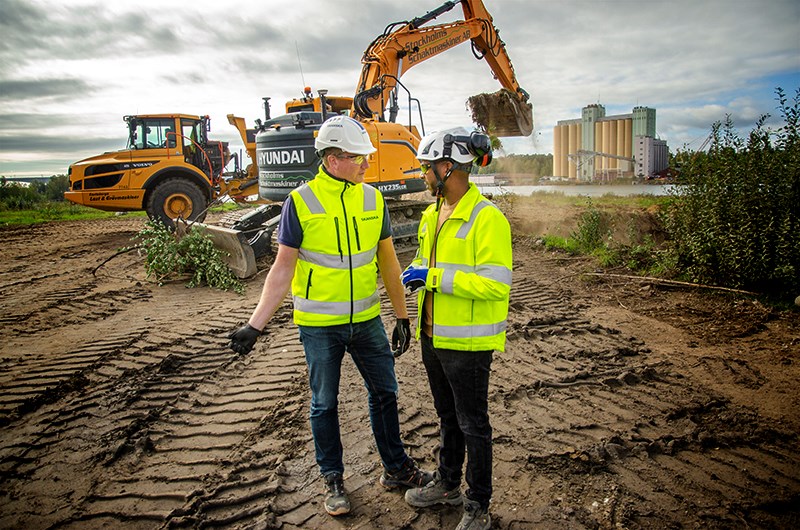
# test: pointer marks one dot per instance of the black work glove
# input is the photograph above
(243, 339)
(401, 337)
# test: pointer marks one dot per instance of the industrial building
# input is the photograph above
(597, 147)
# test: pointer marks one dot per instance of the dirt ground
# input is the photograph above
(618, 403)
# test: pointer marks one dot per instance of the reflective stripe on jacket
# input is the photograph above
(471, 279)
(335, 279)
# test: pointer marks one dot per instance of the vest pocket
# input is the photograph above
(338, 238)
(355, 230)
(308, 283)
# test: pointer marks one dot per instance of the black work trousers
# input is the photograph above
(459, 382)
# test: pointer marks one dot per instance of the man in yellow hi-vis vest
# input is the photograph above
(333, 239)
(462, 271)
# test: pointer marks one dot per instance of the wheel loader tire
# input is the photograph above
(175, 198)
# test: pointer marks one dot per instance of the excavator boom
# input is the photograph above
(404, 45)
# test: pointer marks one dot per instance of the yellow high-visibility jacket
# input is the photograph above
(470, 280)
(335, 279)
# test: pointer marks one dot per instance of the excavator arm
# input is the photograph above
(404, 45)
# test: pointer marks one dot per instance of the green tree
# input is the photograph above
(537, 165)
(735, 219)
(55, 187)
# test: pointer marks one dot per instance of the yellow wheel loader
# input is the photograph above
(169, 168)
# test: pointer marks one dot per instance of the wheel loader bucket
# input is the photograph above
(502, 113)
(237, 252)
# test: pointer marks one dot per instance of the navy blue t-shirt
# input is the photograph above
(290, 233)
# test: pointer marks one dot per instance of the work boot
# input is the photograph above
(408, 476)
(336, 501)
(434, 492)
(475, 517)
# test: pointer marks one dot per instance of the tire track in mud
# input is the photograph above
(33, 264)
(161, 426)
(179, 417)
(70, 306)
(585, 401)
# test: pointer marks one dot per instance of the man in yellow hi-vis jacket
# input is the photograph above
(333, 238)
(463, 273)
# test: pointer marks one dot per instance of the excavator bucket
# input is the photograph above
(502, 113)
(237, 252)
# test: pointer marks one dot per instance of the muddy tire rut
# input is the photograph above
(122, 406)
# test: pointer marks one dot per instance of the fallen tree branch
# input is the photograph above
(663, 281)
(119, 253)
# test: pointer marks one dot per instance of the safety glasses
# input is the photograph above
(423, 167)
(356, 159)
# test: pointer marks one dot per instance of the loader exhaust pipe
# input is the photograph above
(266, 108)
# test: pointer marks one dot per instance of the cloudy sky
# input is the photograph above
(71, 69)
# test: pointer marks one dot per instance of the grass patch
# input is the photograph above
(54, 211)
(607, 200)
(66, 211)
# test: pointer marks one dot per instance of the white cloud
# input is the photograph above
(87, 63)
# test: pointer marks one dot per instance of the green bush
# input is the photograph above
(592, 230)
(168, 256)
(735, 220)
(16, 197)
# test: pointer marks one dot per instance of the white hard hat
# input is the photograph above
(345, 133)
(456, 144)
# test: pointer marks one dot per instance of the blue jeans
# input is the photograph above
(459, 382)
(369, 347)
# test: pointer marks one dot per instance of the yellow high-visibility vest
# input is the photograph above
(335, 279)
(471, 279)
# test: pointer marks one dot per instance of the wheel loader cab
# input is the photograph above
(152, 133)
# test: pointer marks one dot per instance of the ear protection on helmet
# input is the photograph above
(477, 144)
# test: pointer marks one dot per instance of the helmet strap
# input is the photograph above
(440, 181)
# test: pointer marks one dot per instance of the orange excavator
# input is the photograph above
(285, 144)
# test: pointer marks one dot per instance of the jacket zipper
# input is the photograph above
(431, 264)
(308, 283)
(349, 251)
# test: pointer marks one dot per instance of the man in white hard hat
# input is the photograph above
(462, 272)
(334, 235)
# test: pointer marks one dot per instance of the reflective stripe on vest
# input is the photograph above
(313, 204)
(466, 227)
(335, 261)
(470, 331)
(334, 308)
(491, 272)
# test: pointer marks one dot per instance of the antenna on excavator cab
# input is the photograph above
(299, 63)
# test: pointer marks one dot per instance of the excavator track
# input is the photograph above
(405, 216)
